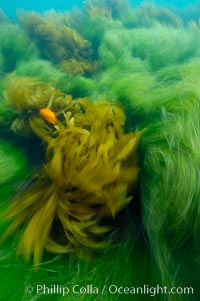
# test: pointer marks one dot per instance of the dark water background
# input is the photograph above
(11, 6)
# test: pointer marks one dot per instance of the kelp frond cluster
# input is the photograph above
(25, 96)
(60, 44)
(89, 176)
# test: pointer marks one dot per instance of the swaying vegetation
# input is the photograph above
(99, 150)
